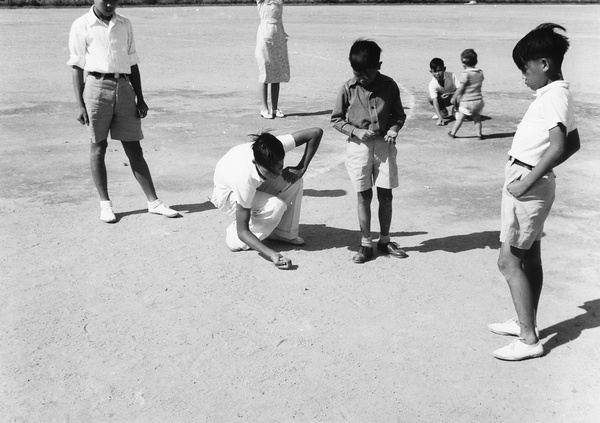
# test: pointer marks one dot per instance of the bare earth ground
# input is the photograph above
(154, 320)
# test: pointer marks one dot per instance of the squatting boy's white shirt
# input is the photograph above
(236, 178)
(97, 47)
(553, 105)
(450, 84)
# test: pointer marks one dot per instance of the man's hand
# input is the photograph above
(142, 109)
(82, 116)
(364, 134)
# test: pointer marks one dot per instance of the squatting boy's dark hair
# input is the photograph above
(541, 42)
(268, 150)
(468, 57)
(435, 63)
(364, 54)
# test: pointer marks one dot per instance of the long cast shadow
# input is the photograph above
(322, 112)
(182, 208)
(324, 192)
(569, 330)
(320, 237)
(460, 243)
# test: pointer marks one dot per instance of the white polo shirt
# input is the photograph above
(236, 178)
(95, 46)
(553, 104)
(450, 83)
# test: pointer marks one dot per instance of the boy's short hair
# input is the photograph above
(435, 63)
(468, 57)
(543, 41)
(268, 150)
(364, 54)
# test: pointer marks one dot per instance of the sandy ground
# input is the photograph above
(154, 320)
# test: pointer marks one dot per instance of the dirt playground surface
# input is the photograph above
(154, 320)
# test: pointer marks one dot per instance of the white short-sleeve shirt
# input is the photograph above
(95, 46)
(553, 105)
(236, 178)
(450, 84)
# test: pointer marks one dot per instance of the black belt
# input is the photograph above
(520, 163)
(109, 75)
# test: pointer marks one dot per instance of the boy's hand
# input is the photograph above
(142, 109)
(441, 122)
(390, 137)
(364, 134)
(292, 174)
(517, 188)
(82, 116)
(281, 262)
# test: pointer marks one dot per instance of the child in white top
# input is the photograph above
(468, 98)
(546, 137)
(441, 88)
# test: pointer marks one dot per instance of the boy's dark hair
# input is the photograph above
(435, 63)
(468, 57)
(268, 150)
(364, 54)
(541, 42)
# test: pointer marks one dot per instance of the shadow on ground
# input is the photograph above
(569, 330)
(459, 243)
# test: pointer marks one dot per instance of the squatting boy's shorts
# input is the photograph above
(371, 163)
(472, 107)
(111, 106)
(522, 219)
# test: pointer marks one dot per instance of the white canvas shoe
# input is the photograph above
(518, 350)
(163, 210)
(106, 212)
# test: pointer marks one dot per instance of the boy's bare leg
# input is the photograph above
(275, 96)
(522, 290)
(364, 212)
(477, 122)
(139, 167)
(262, 93)
(457, 123)
(385, 210)
(532, 266)
(98, 167)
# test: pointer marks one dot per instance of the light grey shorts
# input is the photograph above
(371, 163)
(471, 107)
(111, 106)
(522, 219)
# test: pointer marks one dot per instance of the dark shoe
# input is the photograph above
(392, 249)
(364, 254)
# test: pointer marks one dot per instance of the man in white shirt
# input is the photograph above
(252, 184)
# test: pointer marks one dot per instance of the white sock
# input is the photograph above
(154, 204)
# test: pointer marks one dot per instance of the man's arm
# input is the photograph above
(558, 151)
(311, 137)
(77, 76)
(242, 218)
(136, 83)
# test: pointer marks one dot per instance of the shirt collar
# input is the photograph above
(354, 81)
(92, 18)
(559, 83)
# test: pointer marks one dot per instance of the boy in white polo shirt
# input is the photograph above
(108, 90)
(265, 198)
(546, 137)
(441, 88)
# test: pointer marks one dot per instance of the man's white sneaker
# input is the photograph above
(518, 350)
(162, 209)
(509, 328)
(106, 212)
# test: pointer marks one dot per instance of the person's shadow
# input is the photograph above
(459, 243)
(569, 330)
(181, 208)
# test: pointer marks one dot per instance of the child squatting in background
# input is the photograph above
(441, 89)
